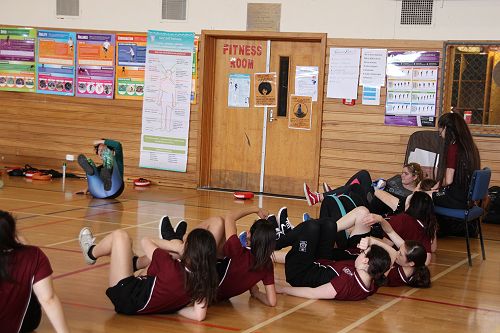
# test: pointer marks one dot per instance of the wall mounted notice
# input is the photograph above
(373, 67)
(55, 68)
(166, 103)
(17, 59)
(238, 91)
(130, 65)
(371, 95)
(343, 73)
(306, 81)
(95, 74)
(411, 88)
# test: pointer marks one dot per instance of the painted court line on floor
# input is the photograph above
(81, 270)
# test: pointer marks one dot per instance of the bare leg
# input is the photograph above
(118, 246)
(215, 225)
(354, 219)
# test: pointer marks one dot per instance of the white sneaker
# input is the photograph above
(86, 241)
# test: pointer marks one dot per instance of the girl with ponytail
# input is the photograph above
(409, 267)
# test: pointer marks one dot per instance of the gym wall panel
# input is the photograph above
(355, 137)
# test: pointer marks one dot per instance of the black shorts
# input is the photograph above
(131, 294)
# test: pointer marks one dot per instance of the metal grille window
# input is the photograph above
(174, 10)
(416, 12)
(471, 87)
(67, 7)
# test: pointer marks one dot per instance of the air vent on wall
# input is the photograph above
(69, 8)
(416, 12)
(173, 10)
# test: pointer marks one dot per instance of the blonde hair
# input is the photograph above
(415, 170)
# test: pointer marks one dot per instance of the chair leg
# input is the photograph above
(467, 239)
(481, 236)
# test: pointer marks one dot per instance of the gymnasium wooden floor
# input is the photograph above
(461, 299)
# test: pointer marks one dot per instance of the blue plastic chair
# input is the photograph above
(478, 190)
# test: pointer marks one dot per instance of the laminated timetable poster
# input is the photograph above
(95, 70)
(166, 103)
(55, 68)
(17, 59)
(130, 65)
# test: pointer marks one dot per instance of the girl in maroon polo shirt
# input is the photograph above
(242, 267)
(168, 285)
(461, 159)
(25, 283)
(315, 278)
(409, 267)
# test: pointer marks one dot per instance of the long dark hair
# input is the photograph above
(416, 253)
(379, 262)
(422, 208)
(468, 158)
(8, 243)
(200, 259)
(263, 240)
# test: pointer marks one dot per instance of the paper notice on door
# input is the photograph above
(265, 89)
(300, 114)
(306, 81)
(238, 93)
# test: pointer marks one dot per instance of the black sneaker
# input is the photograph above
(284, 222)
(180, 229)
(106, 178)
(165, 229)
(271, 218)
(84, 163)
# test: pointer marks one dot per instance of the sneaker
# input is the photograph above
(243, 238)
(106, 178)
(271, 218)
(306, 217)
(311, 197)
(165, 229)
(86, 165)
(180, 229)
(284, 222)
(86, 240)
(279, 234)
(326, 187)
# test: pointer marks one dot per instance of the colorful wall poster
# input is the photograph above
(195, 69)
(17, 59)
(130, 65)
(300, 116)
(306, 81)
(166, 103)
(343, 73)
(411, 88)
(265, 89)
(238, 90)
(95, 56)
(55, 67)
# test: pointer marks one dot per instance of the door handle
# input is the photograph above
(271, 114)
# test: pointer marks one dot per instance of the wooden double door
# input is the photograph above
(255, 148)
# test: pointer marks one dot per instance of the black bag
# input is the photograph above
(493, 215)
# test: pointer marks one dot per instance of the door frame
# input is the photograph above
(207, 86)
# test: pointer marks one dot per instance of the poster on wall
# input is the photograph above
(95, 73)
(166, 103)
(300, 114)
(130, 65)
(195, 69)
(17, 59)
(55, 67)
(238, 90)
(343, 73)
(306, 81)
(373, 63)
(412, 79)
(265, 89)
